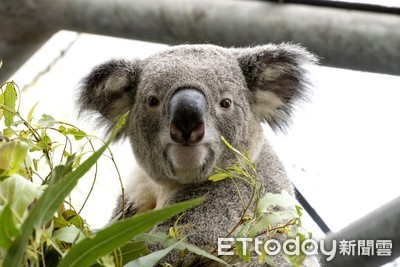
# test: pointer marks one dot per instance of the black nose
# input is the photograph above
(187, 108)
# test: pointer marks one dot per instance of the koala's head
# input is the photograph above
(181, 101)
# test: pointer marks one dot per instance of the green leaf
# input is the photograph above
(244, 231)
(27, 141)
(30, 114)
(61, 170)
(9, 132)
(133, 250)
(62, 129)
(19, 193)
(120, 124)
(69, 234)
(105, 261)
(283, 199)
(297, 260)
(12, 155)
(232, 148)
(218, 177)
(60, 222)
(78, 134)
(10, 98)
(74, 218)
(152, 258)
(1, 103)
(47, 205)
(46, 121)
(299, 210)
(239, 249)
(8, 228)
(129, 252)
(51, 256)
(270, 261)
(165, 240)
(105, 241)
(271, 219)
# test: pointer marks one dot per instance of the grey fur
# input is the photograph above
(263, 83)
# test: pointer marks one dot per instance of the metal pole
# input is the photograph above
(20, 37)
(358, 40)
(381, 224)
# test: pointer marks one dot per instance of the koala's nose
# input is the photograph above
(187, 108)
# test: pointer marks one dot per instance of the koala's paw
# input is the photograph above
(124, 210)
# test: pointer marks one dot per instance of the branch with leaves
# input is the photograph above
(38, 170)
(272, 216)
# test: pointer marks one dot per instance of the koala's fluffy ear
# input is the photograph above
(109, 91)
(276, 76)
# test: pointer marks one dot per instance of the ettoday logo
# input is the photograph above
(309, 247)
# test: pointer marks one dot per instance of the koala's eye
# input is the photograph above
(225, 103)
(153, 101)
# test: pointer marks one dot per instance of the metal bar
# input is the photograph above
(20, 37)
(381, 224)
(342, 38)
(345, 5)
(311, 211)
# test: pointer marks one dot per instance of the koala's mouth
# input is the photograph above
(186, 157)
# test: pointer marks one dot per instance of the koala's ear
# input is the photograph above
(276, 76)
(109, 90)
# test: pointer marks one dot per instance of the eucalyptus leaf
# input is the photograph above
(61, 170)
(106, 240)
(51, 256)
(133, 250)
(78, 134)
(12, 155)
(62, 129)
(244, 231)
(299, 210)
(165, 240)
(9, 132)
(60, 222)
(1, 103)
(10, 99)
(218, 177)
(283, 199)
(8, 227)
(69, 234)
(19, 193)
(46, 121)
(271, 219)
(152, 258)
(232, 148)
(74, 218)
(30, 113)
(106, 261)
(240, 249)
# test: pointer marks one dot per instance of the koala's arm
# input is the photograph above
(203, 224)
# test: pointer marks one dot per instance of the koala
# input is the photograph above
(180, 102)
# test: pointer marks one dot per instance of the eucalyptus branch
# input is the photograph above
(277, 228)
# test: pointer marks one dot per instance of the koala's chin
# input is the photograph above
(190, 162)
(187, 156)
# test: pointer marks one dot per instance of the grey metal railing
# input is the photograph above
(351, 39)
